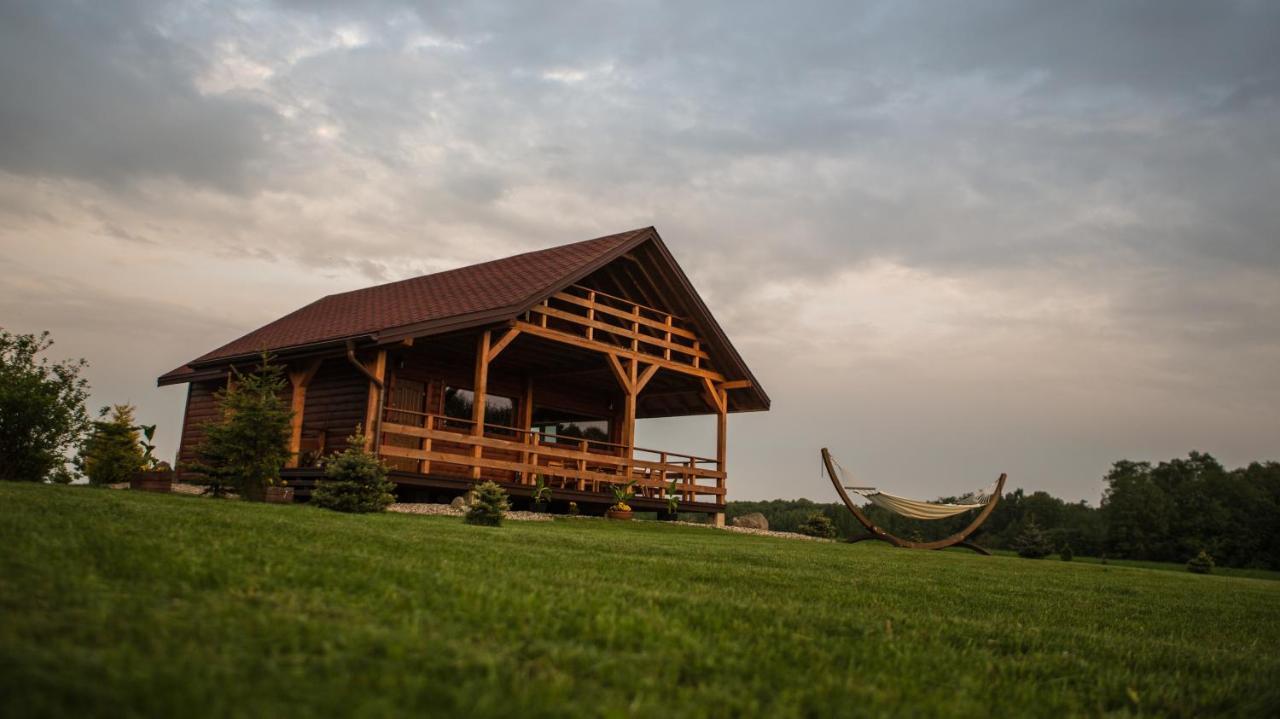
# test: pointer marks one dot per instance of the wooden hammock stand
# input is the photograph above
(959, 539)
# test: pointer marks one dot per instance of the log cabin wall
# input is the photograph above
(337, 398)
(201, 408)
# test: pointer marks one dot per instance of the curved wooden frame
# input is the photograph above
(955, 540)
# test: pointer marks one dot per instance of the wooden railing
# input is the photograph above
(518, 456)
(615, 324)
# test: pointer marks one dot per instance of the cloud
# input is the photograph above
(1058, 216)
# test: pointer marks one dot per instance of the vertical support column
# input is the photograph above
(300, 378)
(377, 368)
(526, 424)
(718, 397)
(480, 393)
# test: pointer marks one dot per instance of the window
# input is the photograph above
(498, 410)
(554, 425)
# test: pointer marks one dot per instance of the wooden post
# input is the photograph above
(479, 395)
(526, 424)
(299, 378)
(378, 368)
(591, 315)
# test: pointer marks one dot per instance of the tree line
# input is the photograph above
(1168, 511)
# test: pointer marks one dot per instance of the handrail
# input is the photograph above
(624, 300)
(597, 442)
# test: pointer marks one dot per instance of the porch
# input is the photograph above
(438, 446)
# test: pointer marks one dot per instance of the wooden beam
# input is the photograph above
(736, 384)
(597, 346)
(479, 396)
(378, 368)
(526, 423)
(501, 344)
(715, 395)
(646, 375)
(299, 378)
(619, 373)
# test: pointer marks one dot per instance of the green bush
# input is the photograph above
(249, 444)
(818, 525)
(356, 481)
(112, 452)
(488, 505)
(1031, 542)
(1066, 554)
(1202, 563)
(42, 412)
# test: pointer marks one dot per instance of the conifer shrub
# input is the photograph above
(1066, 554)
(1031, 542)
(1202, 563)
(112, 452)
(818, 525)
(488, 506)
(248, 445)
(356, 481)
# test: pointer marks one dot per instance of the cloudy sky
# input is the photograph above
(952, 239)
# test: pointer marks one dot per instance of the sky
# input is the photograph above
(950, 239)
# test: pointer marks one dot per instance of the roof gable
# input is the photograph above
(471, 296)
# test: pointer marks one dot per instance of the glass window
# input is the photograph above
(498, 410)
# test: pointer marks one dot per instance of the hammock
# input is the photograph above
(986, 498)
(916, 509)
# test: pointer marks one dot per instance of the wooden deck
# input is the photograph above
(445, 446)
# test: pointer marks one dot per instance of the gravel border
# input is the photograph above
(445, 510)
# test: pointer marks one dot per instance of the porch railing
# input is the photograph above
(418, 441)
(594, 316)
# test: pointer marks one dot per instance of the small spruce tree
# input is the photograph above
(356, 481)
(248, 446)
(818, 525)
(488, 505)
(1066, 554)
(112, 452)
(1031, 542)
(1202, 563)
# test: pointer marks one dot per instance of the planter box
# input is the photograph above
(278, 495)
(161, 481)
(618, 514)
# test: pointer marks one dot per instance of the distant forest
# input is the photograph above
(1166, 512)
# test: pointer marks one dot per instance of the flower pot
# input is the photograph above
(618, 513)
(158, 481)
(279, 495)
(541, 507)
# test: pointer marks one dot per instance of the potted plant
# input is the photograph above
(541, 496)
(278, 491)
(622, 493)
(155, 476)
(673, 501)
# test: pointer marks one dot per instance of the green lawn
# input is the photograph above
(119, 603)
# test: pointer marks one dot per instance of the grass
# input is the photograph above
(1243, 572)
(120, 603)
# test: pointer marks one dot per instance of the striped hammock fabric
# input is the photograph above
(914, 508)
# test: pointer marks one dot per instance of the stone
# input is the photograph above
(459, 503)
(754, 520)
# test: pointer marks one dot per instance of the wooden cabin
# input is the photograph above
(533, 365)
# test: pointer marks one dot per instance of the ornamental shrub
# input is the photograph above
(1202, 563)
(818, 525)
(1031, 542)
(488, 505)
(42, 413)
(112, 452)
(356, 481)
(249, 444)
(1066, 554)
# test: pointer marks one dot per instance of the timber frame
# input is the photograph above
(959, 539)
(619, 336)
